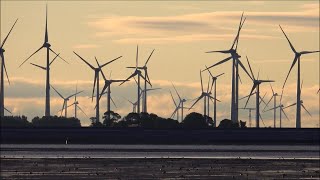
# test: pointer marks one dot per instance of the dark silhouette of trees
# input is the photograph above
(55, 121)
(114, 117)
(194, 120)
(227, 123)
(14, 122)
(95, 123)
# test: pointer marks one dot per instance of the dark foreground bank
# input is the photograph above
(159, 136)
(158, 168)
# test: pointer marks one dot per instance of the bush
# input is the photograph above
(14, 122)
(194, 120)
(55, 121)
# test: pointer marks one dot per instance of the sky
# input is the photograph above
(180, 32)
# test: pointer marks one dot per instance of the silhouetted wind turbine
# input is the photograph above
(235, 72)
(203, 95)
(181, 102)
(137, 72)
(3, 68)
(214, 82)
(146, 80)
(46, 45)
(274, 97)
(249, 109)
(256, 85)
(96, 80)
(107, 86)
(76, 104)
(280, 106)
(65, 101)
(296, 59)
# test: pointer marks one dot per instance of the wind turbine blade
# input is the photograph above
(271, 109)
(137, 56)
(268, 103)
(109, 62)
(245, 70)
(132, 75)
(250, 68)
(113, 102)
(84, 61)
(263, 81)
(292, 65)
(209, 71)
(208, 84)
(53, 59)
(301, 87)
(58, 55)
(149, 58)
(4, 65)
(262, 99)
(224, 51)
(281, 95)
(285, 114)
(288, 40)
(38, 66)
(63, 105)
(271, 89)
(176, 91)
(247, 96)
(220, 62)
(258, 74)
(103, 90)
(174, 112)
(46, 31)
(7, 110)
(57, 92)
(31, 56)
(94, 83)
(201, 81)
(173, 99)
(196, 101)
(262, 120)
(153, 89)
(253, 87)
(219, 75)
(240, 79)
(74, 94)
(82, 111)
(237, 36)
(75, 97)
(148, 79)
(308, 52)
(5, 39)
(306, 110)
(71, 105)
(104, 77)
(290, 105)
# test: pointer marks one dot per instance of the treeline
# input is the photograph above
(143, 120)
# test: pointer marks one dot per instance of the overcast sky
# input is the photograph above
(180, 33)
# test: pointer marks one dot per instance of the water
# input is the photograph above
(159, 151)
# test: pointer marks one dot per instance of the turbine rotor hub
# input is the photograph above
(47, 45)
(2, 50)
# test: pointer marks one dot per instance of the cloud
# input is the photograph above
(201, 26)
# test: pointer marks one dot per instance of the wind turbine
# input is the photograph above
(137, 72)
(281, 107)
(46, 45)
(181, 103)
(274, 97)
(96, 80)
(214, 82)
(203, 95)
(297, 56)
(177, 108)
(235, 71)
(65, 101)
(256, 85)
(76, 104)
(249, 109)
(146, 80)
(107, 86)
(3, 68)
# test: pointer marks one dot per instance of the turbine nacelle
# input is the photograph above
(2, 50)
(47, 45)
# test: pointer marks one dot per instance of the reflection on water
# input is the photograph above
(159, 151)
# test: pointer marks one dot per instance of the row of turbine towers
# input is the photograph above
(205, 95)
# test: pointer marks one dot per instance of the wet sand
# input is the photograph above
(158, 168)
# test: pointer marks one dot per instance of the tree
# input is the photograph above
(194, 120)
(95, 123)
(114, 117)
(14, 122)
(227, 123)
(55, 121)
